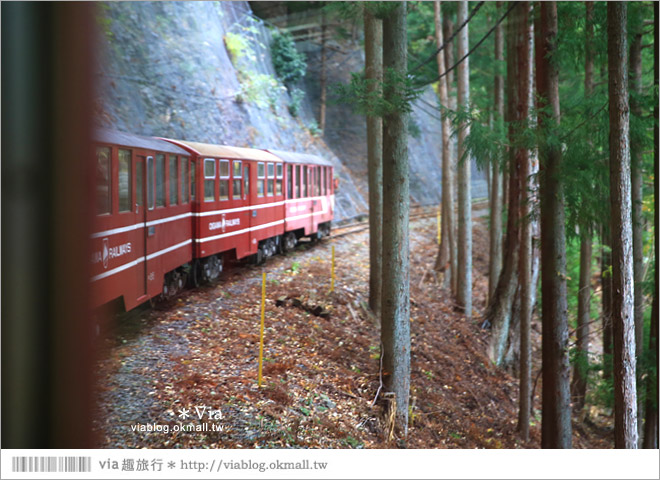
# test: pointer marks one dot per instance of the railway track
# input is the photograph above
(416, 213)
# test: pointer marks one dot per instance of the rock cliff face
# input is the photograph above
(202, 71)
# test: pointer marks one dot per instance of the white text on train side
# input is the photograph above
(109, 252)
(224, 224)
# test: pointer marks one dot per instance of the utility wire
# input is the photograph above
(448, 41)
(513, 5)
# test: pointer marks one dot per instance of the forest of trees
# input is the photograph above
(557, 104)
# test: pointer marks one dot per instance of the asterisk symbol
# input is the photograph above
(184, 413)
(171, 465)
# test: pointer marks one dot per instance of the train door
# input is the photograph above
(253, 195)
(313, 194)
(141, 187)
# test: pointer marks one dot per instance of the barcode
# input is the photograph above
(51, 464)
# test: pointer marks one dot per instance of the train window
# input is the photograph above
(237, 182)
(103, 184)
(224, 179)
(125, 184)
(304, 182)
(297, 181)
(193, 181)
(289, 181)
(139, 183)
(278, 182)
(224, 168)
(246, 174)
(174, 181)
(209, 179)
(323, 184)
(318, 180)
(310, 178)
(185, 179)
(150, 182)
(160, 180)
(312, 184)
(261, 174)
(271, 179)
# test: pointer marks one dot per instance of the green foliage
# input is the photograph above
(297, 96)
(395, 94)
(290, 65)
(104, 21)
(259, 89)
(238, 47)
(313, 129)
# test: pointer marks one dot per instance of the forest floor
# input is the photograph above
(197, 356)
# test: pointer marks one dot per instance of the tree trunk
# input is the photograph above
(495, 258)
(522, 43)
(500, 307)
(464, 291)
(580, 368)
(395, 333)
(373, 49)
(448, 30)
(636, 155)
(447, 244)
(623, 321)
(556, 427)
(323, 74)
(606, 284)
(651, 421)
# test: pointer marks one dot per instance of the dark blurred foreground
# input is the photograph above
(47, 335)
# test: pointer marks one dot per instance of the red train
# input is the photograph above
(171, 210)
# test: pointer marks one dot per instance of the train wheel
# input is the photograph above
(197, 277)
(289, 242)
(212, 268)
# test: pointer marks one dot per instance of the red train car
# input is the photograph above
(142, 240)
(255, 202)
(170, 209)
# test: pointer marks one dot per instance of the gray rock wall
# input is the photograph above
(164, 69)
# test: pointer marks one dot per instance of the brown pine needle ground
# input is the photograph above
(320, 374)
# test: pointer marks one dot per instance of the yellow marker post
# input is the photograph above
(439, 233)
(332, 271)
(263, 311)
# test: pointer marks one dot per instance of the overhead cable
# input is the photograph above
(513, 5)
(448, 41)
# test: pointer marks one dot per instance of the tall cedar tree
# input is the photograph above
(636, 182)
(521, 99)
(324, 77)
(495, 257)
(395, 331)
(579, 383)
(556, 427)
(500, 308)
(651, 420)
(447, 242)
(623, 320)
(464, 245)
(373, 53)
(448, 31)
(636, 154)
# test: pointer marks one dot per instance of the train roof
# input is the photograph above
(294, 157)
(225, 151)
(114, 137)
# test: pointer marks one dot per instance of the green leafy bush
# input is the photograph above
(296, 100)
(290, 65)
